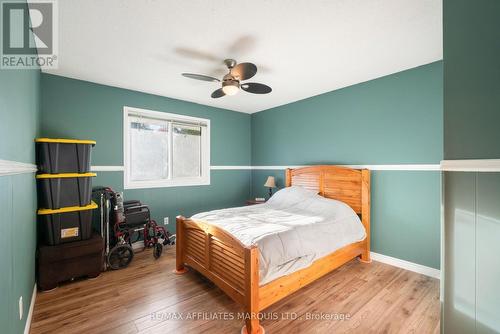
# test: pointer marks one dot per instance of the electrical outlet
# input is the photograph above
(165, 220)
(21, 308)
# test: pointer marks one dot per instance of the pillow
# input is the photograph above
(291, 195)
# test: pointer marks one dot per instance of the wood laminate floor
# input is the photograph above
(147, 297)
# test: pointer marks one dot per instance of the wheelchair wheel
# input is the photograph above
(120, 256)
(158, 249)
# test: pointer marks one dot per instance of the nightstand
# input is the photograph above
(253, 202)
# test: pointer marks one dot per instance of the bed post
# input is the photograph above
(252, 292)
(288, 177)
(179, 246)
(365, 213)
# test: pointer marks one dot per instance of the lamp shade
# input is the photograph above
(270, 183)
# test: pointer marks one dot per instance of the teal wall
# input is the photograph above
(396, 119)
(19, 125)
(79, 109)
(82, 109)
(18, 239)
(471, 199)
(392, 120)
(472, 79)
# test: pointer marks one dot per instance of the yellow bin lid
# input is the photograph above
(64, 176)
(64, 141)
(91, 206)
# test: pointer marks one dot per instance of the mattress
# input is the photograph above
(292, 230)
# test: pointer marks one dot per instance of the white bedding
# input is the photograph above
(293, 229)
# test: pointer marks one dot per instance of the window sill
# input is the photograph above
(169, 184)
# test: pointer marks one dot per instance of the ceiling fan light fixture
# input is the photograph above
(230, 87)
(231, 81)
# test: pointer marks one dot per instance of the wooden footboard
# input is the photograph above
(214, 253)
(234, 267)
(223, 259)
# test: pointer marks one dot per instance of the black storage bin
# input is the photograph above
(66, 224)
(56, 156)
(61, 190)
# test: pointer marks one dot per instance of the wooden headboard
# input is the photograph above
(351, 186)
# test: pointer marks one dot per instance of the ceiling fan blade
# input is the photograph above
(244, 71)
(256, 88)
(196, 54)
(200, 77)
(243, 45)
(218, 93)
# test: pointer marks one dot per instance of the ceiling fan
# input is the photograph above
(231, 82)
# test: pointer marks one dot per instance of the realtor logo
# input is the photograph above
(29, 35)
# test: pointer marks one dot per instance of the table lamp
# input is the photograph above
(270, 183)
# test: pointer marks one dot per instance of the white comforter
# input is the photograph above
(293, 229)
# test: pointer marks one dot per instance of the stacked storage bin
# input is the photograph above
(64, 185)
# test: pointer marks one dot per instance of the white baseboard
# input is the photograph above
(415, 267)
(30, 312)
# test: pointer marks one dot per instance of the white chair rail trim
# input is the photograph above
(107, 168)
(404, 167)
(471, 165)
(8, 167)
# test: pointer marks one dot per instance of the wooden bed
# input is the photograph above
(234, 268)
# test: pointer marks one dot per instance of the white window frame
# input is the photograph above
(204, 179)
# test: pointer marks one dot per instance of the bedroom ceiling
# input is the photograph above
(302, 48)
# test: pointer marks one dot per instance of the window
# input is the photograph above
(165, 150)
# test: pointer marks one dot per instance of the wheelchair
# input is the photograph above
(128, 222)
